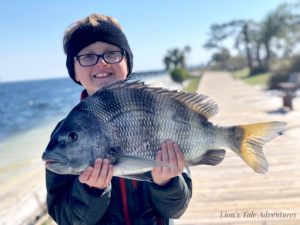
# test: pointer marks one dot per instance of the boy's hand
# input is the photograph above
(171, 153)
(98, 176)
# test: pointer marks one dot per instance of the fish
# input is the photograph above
(127, 121)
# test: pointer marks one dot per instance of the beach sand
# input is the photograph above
(22, 190)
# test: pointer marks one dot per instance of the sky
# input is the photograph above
(31, 32)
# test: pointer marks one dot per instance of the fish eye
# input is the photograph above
(73, 136)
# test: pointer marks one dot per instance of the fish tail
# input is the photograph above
(249, 140)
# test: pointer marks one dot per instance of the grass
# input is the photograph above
(192, 84)
(261, 79)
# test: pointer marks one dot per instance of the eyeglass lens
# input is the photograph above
(92, 59)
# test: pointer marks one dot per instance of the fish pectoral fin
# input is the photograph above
(140, 176)
(211, 157)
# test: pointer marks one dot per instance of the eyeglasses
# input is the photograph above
(111, 57)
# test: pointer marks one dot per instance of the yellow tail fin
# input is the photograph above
(255, 136)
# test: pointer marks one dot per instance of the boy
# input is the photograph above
(98, 54)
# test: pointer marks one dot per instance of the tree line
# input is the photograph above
(259, 42)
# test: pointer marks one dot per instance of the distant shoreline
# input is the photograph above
(66, 77)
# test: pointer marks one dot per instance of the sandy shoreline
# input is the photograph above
(22, 187)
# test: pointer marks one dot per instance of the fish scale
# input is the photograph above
(158, 131)
(128, 121)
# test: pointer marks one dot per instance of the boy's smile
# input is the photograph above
(102, 75)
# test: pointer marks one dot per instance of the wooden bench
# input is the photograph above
(289, 89)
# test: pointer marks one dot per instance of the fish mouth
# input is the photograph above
(51, 161)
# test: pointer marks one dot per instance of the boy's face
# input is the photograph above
(95, 77)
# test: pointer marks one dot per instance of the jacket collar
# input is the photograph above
(83, 95)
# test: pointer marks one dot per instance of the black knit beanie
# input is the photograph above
(87, 34)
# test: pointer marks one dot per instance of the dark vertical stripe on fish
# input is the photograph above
(110, 102)
(180, 112)
(148, 125)
(144, 100)
(183, 116)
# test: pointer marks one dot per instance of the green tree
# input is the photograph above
(176, 58)
(280, 26)
(240, 29)
(221, 56)
(280, 29)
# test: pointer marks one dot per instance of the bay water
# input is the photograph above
(29, 111)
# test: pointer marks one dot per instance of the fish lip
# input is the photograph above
(51, 161)
(50, 158)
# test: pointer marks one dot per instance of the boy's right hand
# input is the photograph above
(98, 176)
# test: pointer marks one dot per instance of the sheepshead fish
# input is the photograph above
(127, 121)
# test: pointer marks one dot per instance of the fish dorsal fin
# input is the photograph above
(199, 103)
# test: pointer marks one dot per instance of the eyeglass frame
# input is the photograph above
(100, 56)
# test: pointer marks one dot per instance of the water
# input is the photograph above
(27, 104)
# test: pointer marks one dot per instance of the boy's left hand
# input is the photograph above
(171, 153)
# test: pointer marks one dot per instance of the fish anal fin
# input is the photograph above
(211, 157)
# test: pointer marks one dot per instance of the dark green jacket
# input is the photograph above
(124, 201)
(70, 202)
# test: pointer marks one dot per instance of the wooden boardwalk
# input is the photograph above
(231, 193)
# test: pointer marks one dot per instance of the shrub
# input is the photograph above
(236, 63)
(257, 70)
(231, 64)
(281, 69)
(179, 74)
(295, 64)
(276, 78)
